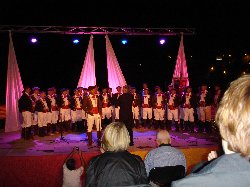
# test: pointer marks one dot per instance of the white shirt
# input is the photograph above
(53, 100)
(65, 99)
(71, 178)
(159, 99)
(188, 96)
(146, 98)
(93, 100)
(105, 97)
(78, 103)
(171, 99)
(44, 103)
(203, 95)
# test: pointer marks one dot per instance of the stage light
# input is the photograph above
(162, 41)
(212, 68)
(224, 72)
(218, 58)
(76, 41)
(33, 40)
(124, 41)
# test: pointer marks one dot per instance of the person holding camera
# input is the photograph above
(71, 174)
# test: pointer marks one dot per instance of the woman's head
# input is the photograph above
(70, 163)
(115, 137)
(233, 116)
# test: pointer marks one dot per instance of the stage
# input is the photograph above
(39, 162)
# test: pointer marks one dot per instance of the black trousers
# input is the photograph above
(129, 123)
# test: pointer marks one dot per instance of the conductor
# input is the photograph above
(125, 102)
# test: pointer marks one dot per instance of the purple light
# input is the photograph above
(162, 41)
(33, 40)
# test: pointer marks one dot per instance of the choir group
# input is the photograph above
(46, 113)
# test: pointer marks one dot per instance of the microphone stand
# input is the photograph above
(61, 128)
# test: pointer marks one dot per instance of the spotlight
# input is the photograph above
(33, 40)
(76, 41)
(162, 41)
(124, 41)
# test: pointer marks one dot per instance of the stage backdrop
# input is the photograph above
(88, 77)
(180, 72)
(14, 88)
(115, 76)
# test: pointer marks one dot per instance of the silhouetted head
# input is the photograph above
(70, 163)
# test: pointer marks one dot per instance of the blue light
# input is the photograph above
(76, 41)
(124, 41)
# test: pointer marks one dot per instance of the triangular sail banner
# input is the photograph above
(115, 76)
(14, 88)
(180, 72)
(88, 77)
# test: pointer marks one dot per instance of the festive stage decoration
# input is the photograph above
(180, 75)
(88, 77)
(14, 88)
(115, 76)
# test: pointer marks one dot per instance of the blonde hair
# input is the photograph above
(163, 137)
(233, 116)
(115, 137)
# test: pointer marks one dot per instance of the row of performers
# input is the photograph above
(41, 112)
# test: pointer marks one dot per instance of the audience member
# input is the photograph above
(116, 166)
(71, 175)
(232, 117)
(164, 154)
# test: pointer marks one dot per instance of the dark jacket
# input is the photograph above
(125, 102)
(137, 100)
(87, 105)
(25, 103)
(229, 170)
(112, 169)
(192, 101)
(176, 103)
(60, 101)
(73, 103)
(154, 100)
(40, 107)
(149, 101)
(115, 99)
(208, 99)
(106, 103)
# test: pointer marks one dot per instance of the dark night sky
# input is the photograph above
(222, 27)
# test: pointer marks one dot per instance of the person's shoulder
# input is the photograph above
(95, 158)
(176, 150)
(80, 170)
(153, 151)
(136, 157)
